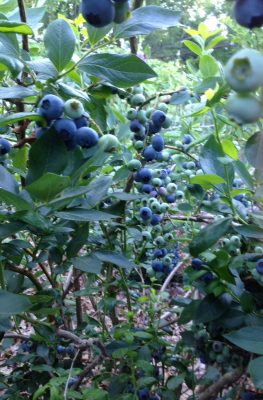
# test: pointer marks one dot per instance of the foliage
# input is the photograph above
(130, 237)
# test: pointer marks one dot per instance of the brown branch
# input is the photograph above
(43, 268)
(70, 285)
(22, 13)
(78, 298)
(26, 273)
(25, 140)
(227, 379)
(134, 40)
(86, 371)
(81, 344)
(207, 219)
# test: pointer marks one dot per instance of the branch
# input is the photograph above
(22, 13)
(167, 281)
(26, 273)
(81, 344)
(86, 371)
(228, 379)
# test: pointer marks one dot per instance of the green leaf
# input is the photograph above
(174, 382)
(254, 150)
(43, 68)
(12, 228)
(47, 154)
(15, 27)
(9, 45)
(83, 215)
(145, 20)
(7, 5)
(242, 171)
(209, 309)
(212, 43)
(257, 217)
(12, 118)
(249, 338)
(89, 264)
(13, 64)
(78, 240)
(209, 235)
(119, 70)
(252, 231)
(114, 258)
(14, 200)
(208, 66)
(98, 189)
(193, 47)
(60, 43)
(48, 186)
(209, 159)
(207, 181)
(16, 92)
(96, 34)
(180, 97)
(229, 149)
(255, 368)
(12, 304)
(7, 181)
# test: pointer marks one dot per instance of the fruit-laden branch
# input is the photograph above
(227, 379)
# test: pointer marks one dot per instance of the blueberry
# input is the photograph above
(61, 349)
(170, 198)
(207, 277)
(259, 266)
(237, 183)
(65, 128)
(184, 165)
(25, 347)
(51, 107)
(156, 219)
(197, 264)
(247, 396)
(167, 269)
(86, 137)
(149, 154)
(239, 197)
(5, 146)
(163, 173)
(147, 188)
(187, 139)
(74, 108)
(158, 118)
(98, 13)
(244, 109)
(249, 13)
(146, 213)
(143, 394)
(158, 142)
(158, 253)
(154, 397)
(157, 266)
(40, 131)
(152, 128)
(217, 347)
(144, 175)
(80, 122)
(136, 126)
(72, 381)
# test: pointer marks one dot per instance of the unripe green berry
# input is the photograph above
(137, 100)
(141, 116)
(167, 260)
(163, 107)
(164, 207)
(108, 143)
(191, 165)
(258, 249)
(171, 188)
(235, 240)
(146, 235)
(157, 182)
(134, 165)
(159, 241)
(74, 108)
(168, 237)
(167, 123)
(155, 206)
(138, 145)
(179, 194)
(132, 114)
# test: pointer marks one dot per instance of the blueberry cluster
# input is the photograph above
(199, 265)
(65, 350)
(244, 74)
(144, 394)
(104, 12)
(71, 123)
(164, 260)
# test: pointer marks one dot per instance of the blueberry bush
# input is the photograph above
(131, 256)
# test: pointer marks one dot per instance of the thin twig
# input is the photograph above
(167, 281)
(69, 375)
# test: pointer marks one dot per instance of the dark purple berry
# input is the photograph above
(51, 107)
(5, 146)
(259, 266)
(146, 213)
(158, 142)
(249, 13)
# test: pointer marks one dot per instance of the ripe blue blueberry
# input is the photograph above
(51, 107)
(65, 128)
(207, 277)
(61, 349)
(145, 213)
(72, 381)
(5, 146)
(149, 154)
(144, 175)
(249, 13)
(158, 118)
(156, 219)
(136, 126)
(157, 266)
(247, 396)
(239, 197)
(187, 139)
(87, 137)
(197, 263)
(259, 266)
(146, 188)
(158, 142)
(80, 122)
(98, 13)
(158, 253)
(25, 345)
(40, 131)
(170, 198)
(237, 183)
(153, 128)
(143, 394)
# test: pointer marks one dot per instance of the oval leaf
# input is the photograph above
(15, 27)
(254, 150)
(60, 43)
(248, 338)
(119, 70)
(208, 236)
